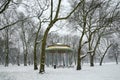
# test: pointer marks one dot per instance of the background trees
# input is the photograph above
(93, 19)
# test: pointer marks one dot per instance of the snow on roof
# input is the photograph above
(59, 47)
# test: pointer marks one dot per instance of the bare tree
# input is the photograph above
(7, 31)
(102, 57)
(84, 21)
(91, 18)
(114, 52)
(103, 27)
(50, 25)
(26, 35)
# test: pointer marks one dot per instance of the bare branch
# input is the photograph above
(4, 6)
(15, 23)
(51, 15)
(71, 11)
(58, 9)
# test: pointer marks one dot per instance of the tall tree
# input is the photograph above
(105, 21)
(50, 25)
(114, 52)
(84, 19)
(39, 16)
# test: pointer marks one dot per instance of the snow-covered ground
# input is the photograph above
(105, 72)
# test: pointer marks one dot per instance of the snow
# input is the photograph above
(105, 72)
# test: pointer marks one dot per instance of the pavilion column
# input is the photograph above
(63, 60)
(52, 59)
(60, 59)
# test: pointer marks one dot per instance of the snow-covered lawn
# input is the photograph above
(105, 72)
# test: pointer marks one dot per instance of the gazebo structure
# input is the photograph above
(57, 50)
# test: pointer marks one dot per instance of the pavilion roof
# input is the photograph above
(59, 48)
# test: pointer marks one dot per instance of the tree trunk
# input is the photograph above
(18, 56)
(91, 60)
(35, 48)
(7, 49)
(79, 59)
(25, 58)
(42, 59)
(35, 56)
(6, 58)
(116, 58)
(104, 55)
(101, 61)
(80, 46)
(81, 38)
